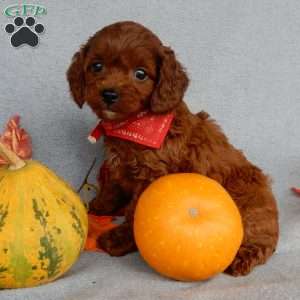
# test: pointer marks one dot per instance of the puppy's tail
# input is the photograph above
(203, 115)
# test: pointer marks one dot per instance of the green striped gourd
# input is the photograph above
(43, 224)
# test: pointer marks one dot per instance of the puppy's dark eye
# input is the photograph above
(140, 74)
(97, 67)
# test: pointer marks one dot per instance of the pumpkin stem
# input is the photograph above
(15, 162)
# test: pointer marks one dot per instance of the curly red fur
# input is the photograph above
(195, 143)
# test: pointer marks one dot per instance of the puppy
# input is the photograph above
(125, 69)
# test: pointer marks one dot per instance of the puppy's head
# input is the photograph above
(124, 69)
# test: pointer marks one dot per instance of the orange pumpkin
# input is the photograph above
(187, 227)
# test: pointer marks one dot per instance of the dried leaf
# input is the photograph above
(16, 139)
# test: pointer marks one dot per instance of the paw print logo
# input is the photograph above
(24, 32)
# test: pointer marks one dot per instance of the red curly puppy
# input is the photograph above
(125, 69)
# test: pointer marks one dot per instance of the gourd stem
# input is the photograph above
(15, 162)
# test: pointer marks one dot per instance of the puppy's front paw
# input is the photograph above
(118, 241)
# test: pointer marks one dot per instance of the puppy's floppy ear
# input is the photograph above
(75, 76)
(172, 84)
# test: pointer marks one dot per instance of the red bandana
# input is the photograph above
(145, 128)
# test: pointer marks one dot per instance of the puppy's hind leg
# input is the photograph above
(260, 220)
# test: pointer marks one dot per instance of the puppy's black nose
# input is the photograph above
(110, 96)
